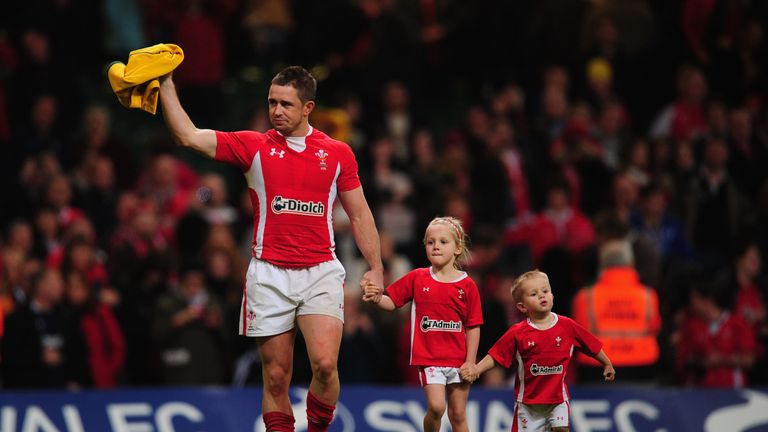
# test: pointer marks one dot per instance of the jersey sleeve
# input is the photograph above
(474, 308)
(348, 178)
(401, 291)
(505, 349)
(237, 148)
(587, 342)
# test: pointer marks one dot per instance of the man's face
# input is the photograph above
(286, 111)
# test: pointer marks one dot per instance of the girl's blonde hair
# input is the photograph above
(457, 230)
(517, 292)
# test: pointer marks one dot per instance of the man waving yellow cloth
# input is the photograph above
(136, 84)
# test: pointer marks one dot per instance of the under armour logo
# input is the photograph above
(274, 151)
(531, 343)
(425, 289)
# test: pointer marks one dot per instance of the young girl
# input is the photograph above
(446, 316)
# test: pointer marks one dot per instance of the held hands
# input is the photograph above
(609, 373)
(371, 292)
(468, 372)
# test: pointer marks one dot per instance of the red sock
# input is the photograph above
(319, 414)
(276, 421)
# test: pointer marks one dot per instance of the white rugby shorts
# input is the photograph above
(439, 375)
(275, 296)
(541, 417)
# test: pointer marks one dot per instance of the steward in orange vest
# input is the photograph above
(620, 311)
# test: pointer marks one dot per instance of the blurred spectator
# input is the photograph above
(714, 211)
(99, 197)
(746, 153)
(58, 196)
(637, 162)
(658, 227)
(717, 118)
(559, 225)
(97, 139)
(187, 327)
(747, 291)
(397, 119)
(15, 288)
(81, 256)
(715, 348)
(96, 344)
(34, 344)
(391, 189)
(47, 233)
(140, 265)
(212, 193)
(19, 238)
(169, 182)
(611, 133)
(684, 118)
(622, 313)
(624, 198)
(42, 133)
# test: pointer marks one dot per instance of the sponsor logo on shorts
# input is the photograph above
(546, 370)
(439, 325)
(294, 206)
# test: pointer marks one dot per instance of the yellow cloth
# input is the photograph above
(136, 84)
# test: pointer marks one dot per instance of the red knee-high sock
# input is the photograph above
(319, 414)
(277, 421)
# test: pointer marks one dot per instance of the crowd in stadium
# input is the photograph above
(550, 128)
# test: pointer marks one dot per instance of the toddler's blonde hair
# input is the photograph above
(517, 292)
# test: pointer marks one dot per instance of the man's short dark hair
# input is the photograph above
(300, 79)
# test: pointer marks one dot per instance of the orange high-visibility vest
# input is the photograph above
(623, 314)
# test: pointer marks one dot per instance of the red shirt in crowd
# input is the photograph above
(701, 340)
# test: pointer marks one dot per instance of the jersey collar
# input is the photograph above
(297, 144)
(552, 324)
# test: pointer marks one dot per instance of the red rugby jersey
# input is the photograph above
(440, 314)
(292, 191)
(542, 357)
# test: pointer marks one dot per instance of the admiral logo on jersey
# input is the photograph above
(546, 370)
(294, 206)
(439, 325)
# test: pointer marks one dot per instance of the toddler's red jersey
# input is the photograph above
(440, 314)
(542, 357)
(292, 191)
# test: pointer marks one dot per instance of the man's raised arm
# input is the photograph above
(182, 129)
